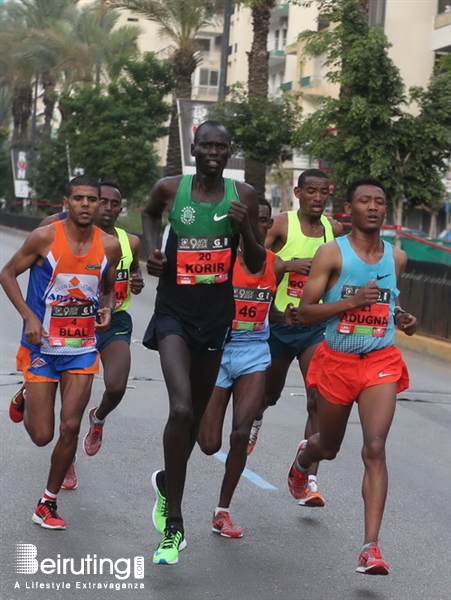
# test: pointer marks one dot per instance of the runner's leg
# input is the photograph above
(210, 431)
(116, 369)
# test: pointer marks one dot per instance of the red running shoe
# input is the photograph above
(17, 405)
(93, 439)
(371, 563)
(312, 497)
(297, 480)
(46, 516)
(70, 481)
(223, 525)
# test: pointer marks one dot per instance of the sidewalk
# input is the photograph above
(424, 345)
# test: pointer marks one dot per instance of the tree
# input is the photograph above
(180, 21)
(50, 173)
(258, 76)
(366, 131)
(111, 130)
(261, 128)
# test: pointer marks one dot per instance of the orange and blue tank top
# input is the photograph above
(253, 296)
(63, 292)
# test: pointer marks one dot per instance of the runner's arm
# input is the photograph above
(136, 279)
(245, 215)
(404, 321)
(34, 247)
(325, 263)
(107, 299)
(276, 236)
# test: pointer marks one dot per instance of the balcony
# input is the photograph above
(312, 86)
(276, 54)
(281, 9)
(441, 35)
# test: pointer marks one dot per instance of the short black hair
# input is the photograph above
(86, 180)
(211, 123)
(263, 202)
(111, 184)
(363, 181)
(311, 173)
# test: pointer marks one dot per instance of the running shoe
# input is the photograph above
(253, 436)
(223, 525)
(93, 439)
(312, 497)
(17, 405)
(371, 563)
(46, 516)
(70, 481)
(172, 542)
(160, 509)
(297, 480)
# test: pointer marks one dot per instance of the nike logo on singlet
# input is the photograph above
(382, 276)
(216, 218)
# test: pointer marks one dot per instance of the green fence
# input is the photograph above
(422, 251)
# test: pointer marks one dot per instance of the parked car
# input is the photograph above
(390, 231)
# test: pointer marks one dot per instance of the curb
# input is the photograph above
(424, 345)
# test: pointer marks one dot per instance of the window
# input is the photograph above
(203, 44)
(209, 77)
(132, 19)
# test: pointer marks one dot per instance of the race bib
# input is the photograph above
(121, 287)
(371, 321)
(296, 284)
(203, 259)
(251, 308)
(72, 326)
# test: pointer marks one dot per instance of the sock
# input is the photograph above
(367, 546)
(312, 478)
(49, 496)
(220, 509)
(298, 466)
(257, 422)
(175, 522)
(95, 420)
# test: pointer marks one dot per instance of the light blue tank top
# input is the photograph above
(372, 328)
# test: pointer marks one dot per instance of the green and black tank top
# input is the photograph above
(200, 245)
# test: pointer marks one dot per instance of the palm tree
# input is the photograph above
(258, 67)
(180, 21)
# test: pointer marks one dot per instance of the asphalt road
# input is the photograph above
(288, 552)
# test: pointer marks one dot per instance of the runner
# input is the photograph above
(194, 306)
(114, 345)
(357, 278)
(295, 237)
(68, 261)
(244, 362)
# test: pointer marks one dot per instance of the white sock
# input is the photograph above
(312, 478)
(97, 421)
(49, 496)
(298, 466)
(219, 509)
(257, 423)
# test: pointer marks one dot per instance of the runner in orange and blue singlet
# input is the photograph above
(72, 272)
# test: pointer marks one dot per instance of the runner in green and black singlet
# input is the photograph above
(195, 305)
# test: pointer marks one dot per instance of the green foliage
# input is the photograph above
(49, 174)
(111, 130)
(366, 131)
(261, 128)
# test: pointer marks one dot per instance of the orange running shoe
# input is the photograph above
(70, 481)
(93, 439)
(312, 497)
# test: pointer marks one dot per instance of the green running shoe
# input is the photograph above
(172, 542)
(160, 509)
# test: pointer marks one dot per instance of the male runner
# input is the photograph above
(356, 276)
(72, 273)
(194, 306)
(295, 237)
(114, 345)
(244, 362)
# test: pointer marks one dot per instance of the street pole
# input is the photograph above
(225, 50)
